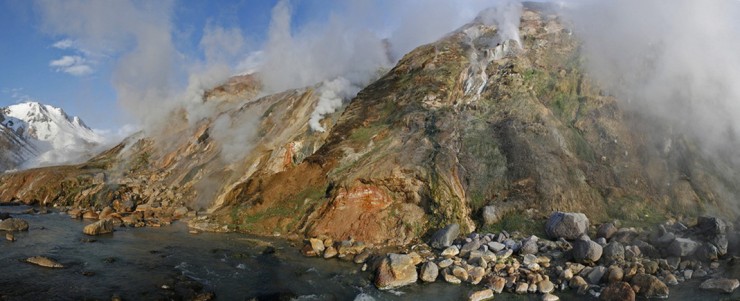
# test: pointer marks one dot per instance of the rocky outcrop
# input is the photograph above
(415, 150)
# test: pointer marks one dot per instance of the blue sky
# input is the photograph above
(27, 50)
(108, 61)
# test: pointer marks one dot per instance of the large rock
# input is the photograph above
(443, 237)
(99, 227)
(606, 230)
(13, 224)
(613, 252)
(586, 251)
(682, 247)
(720, 284)
(711, 226)
(395, 270)
(490, 215)
(429, 272)
(618, 291)
(566, 225)
(649, 286)
(44, 262)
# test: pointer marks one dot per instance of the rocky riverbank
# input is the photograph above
(619, 263)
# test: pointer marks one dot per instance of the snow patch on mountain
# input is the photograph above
(54, 137)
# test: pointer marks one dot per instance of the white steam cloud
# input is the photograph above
(341, 53)
(674, 59)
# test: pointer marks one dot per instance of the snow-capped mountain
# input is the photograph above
(45, 135)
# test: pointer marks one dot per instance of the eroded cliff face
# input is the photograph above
(467, 122)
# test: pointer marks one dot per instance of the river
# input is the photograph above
(170, 263)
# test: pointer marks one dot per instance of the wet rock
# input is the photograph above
(14, 224)
(606, 230)
(490, 215)
(44, 262)
(443, 238)
(566, 225)
(99, 227)
(395, 270)
(429, 272)
(649, 286)
(550, 297)
(180, 212)
(486, 294)
(9, 236)
(720, 284)
(682, 247)
(618, 291)
(613, 252)
(586, 251)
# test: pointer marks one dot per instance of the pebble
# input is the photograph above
(550, 297)
(546, 286)
(451, 251)
(481, 295)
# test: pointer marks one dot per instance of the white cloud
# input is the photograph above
(72, 64)
(63, 44)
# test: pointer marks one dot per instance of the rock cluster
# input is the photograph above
(143, 215)
(620, 264)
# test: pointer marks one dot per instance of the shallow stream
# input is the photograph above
(170, 263)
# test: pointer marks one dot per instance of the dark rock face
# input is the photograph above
(566, 225)
(444, 237)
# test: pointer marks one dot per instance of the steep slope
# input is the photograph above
(470, 121)
(52, 134)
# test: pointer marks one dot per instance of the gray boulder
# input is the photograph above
(490, 215)
(720, 284)
(396, 270)
(711, 226)
(586, 251)
(529, 245)
(443, 237)
(606, 230)
(567, 225)
(682, 247)
(613, 252)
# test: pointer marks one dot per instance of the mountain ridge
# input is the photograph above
(466, 123)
